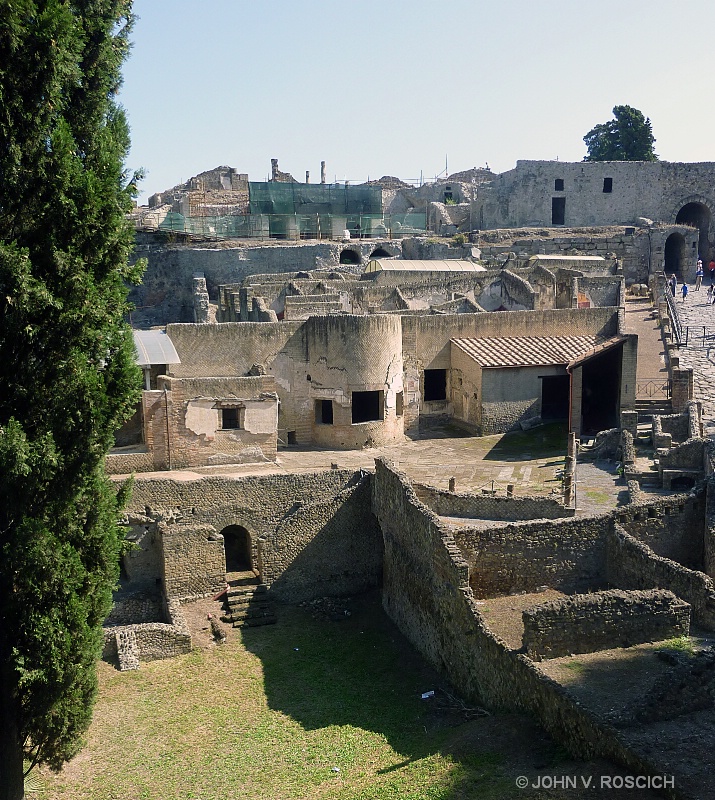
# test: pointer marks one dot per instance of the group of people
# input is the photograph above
(699, 273)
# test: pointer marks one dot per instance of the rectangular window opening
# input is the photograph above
(324, 412)
(231, 418)
(607, 185)
(367, 406)
(435, 385)
(558, 210)
(559, 185)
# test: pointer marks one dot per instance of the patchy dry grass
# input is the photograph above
(307, 708)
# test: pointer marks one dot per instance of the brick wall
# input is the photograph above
(565, 554)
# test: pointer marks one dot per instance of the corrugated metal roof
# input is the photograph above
(437, 265)
(556, 257)
(532, 351)
(154, 347)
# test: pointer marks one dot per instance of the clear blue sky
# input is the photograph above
(391, 87)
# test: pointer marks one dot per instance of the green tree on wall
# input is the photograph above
(628, 137)
(67, 372)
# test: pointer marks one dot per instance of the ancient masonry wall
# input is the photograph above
(311, 533)
(586, 623)
(476, 506)
(630, 564)
(426, 593)
(153, 640)
(673, 527)
(565, 554)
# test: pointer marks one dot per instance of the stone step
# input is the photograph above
(248, 614)
(254, 622)
(247, 591)
(248, 602)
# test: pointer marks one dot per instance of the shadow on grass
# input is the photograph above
(546, 441)
(360, 672)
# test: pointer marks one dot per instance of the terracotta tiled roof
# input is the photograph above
(533, 351)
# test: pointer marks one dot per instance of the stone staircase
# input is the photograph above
(648, 408)
(247, 602)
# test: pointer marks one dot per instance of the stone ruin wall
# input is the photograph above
(486, 506)
(312, 534)
(586, 623)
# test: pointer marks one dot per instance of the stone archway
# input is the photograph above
(348, 256)
(238, 548)
(380, 252)
(696, 212)
(675, 255)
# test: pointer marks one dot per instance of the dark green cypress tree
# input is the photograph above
(627, 137)
(67, 372)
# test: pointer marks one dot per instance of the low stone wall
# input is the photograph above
(155, 640)
(454, 504)
(630, 564)
(126, 463)
(585, 623)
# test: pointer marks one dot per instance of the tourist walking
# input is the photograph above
(684, 290)
(711, 292)
(698, 275)
(711, 267)
(673, 283)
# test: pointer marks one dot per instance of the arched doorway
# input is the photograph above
(380, 252)
(675, 255)
(349, 257)
(698, 216)
(237, 546)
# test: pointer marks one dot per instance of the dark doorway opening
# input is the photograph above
(237, 546)
(555, 391)
(675, 254)
(697, 215)
(380, 252)
(435, 387)
(558, 210)
(600, 400)
(367, 406)
(324, 412)
(682, 483)
(349, 257)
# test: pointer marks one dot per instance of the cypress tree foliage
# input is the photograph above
(67, 372)
(628, 137)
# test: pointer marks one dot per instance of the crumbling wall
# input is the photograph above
(673, 527)
(630, 564)
(426, 593)
(586, 623)
(569, 555)
(479, 506)
(312, 534)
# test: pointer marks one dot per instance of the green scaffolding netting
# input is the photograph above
(313, 198)
(298, 226)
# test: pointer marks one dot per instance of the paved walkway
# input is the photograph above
(699, 354)
(642, 319)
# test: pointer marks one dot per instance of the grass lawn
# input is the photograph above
(307, 708)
